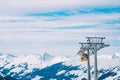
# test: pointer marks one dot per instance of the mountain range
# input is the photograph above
(48, 67)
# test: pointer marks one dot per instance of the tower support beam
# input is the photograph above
(88, 65)
(95, 65)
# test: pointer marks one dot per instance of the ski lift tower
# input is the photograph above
(92, 45)
(96, 43)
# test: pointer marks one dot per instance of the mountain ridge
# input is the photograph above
(58, 67)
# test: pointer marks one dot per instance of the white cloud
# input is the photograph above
(25, 6)
(29, 33)
(41, 23)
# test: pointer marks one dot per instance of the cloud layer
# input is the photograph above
(10, 7)
(34, 26)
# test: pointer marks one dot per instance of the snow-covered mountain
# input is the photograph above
(6, 77)
(47, 67)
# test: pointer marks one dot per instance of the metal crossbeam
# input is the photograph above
(97, 37)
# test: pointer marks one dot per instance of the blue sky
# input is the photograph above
(56, 27)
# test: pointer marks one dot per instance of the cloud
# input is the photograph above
(24, 6)
(31, 26)
(77, 12)
(52, 23)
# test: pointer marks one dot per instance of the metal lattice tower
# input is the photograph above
(92, 45)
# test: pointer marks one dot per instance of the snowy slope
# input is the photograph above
(47, 67)
(108, 67)
(6, 77)
(22, 65)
